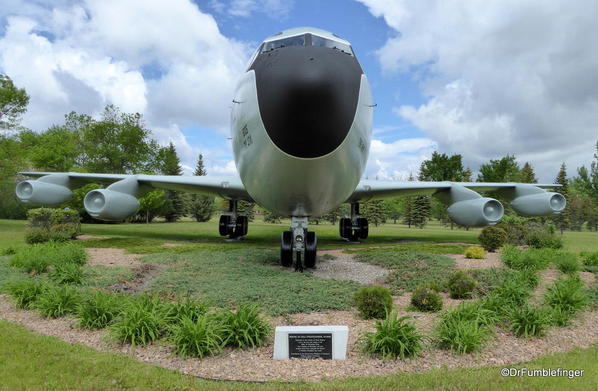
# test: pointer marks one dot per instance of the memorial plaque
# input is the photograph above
(310, 345)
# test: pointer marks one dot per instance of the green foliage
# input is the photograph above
(532, 259)
(475, 252)
(142, 321)
(25, 291)
(461, 285)
(457, 332)
(373, 302)
(560, 317)
(271, 217)
(568, 294)
(529, 321)
(510, 294)
(99, 310)
(245, 328)
(48, 224)
(590, 258)
(515, 229)
(57, 301)
(492, 238)
(475, 311)
(170, 164)
(13, 103)
(198, 338)
(36, 235)
(567, 263)
(150, 206)
(488, 279)
(543, 239)
(66, 273)
(186, 308)
(394, 338)
(201, 207)
(427, 300)
(442, 167)
(55, 149)
(374, 211)
(32, 259)
(10, 250)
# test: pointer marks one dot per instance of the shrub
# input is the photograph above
(532, 259)
(590, 258)
(373, 302)
(394, 338)
(515, 229)
(99, 310)
(461, 285)
(529, 321)
(187, 308)
(69, 253)
(425, 299)
(461, 336)
(36, 235)
(488, 279)
(245, 328)
(67, 273)
(32, 259)
(474, 312)
(528, 277)
(10, 250)
(475, 252)
(66, 230)
(492, 238)
(197, 338)
(567, 294)
(57, 301)
(142, 321)
(25, 292)
(567, 263)
(508, 295)
(544, 239)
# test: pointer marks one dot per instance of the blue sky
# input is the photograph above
(457, 76)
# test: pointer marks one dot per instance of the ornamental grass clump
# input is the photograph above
(529, 321)
(394, 338)
(32, 259)
(426, 299)
(475, 252)
(186, 308)
(245, 328)
(373, 302)
(66, 273)
(25, 292)
(530, 259)
(57, 301)
(461, 285)
(464, 330)
(199, 338)
(99, 310)
(142, 321)
(510, 294)
(590, 258)
(567, 263)
(567, 294)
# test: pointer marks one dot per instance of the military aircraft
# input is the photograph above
(301, 126)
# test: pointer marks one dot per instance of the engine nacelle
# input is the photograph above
(47, 190)
(109, 205)
(477, 212)
(540, 204)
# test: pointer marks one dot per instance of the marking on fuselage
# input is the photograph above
(247, 141)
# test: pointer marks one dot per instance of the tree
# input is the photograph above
(374, 211)
(200, 206)
(56, 149)
(150, 206)
(421, 211)
(271, 217)
(408, 211)
(171, 165)
(587, 180)
(245, 208)
(13, 103)
(505, 169)
(442, 167)
(562, 219)
(527, 174)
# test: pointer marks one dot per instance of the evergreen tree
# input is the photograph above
(527, 174)
(374, 211)
(245, 208)
(200, 206)
(421, 211)
(562, 220)
(171, 165)
(333, 215)
(271, 217)
(409, 208)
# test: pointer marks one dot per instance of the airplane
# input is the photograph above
(301, 124)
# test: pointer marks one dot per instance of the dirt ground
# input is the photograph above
(112, 257)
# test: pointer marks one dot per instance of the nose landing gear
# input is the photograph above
(354, 228)
(298, 241)
(231, 224)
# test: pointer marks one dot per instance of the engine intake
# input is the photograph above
(47, 190)
(478, 212)
(109, 205)
(541, 204)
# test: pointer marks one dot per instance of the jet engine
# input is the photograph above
(48, 190)
(468, 208)
(117, 202)
(533, 201)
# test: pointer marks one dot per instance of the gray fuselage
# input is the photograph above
(301, 128)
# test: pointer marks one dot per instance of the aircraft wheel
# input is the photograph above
(344, 227)
(363, 228)
(354, 236)
(286, 249)
(223, 225)
(311, 249)
(241, 226)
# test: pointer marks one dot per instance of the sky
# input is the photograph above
(480, 79)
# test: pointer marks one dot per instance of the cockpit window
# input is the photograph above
(298, 40)
(319, 41)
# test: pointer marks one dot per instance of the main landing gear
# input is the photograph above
(298, 241)
(232, 224)
(354, 228)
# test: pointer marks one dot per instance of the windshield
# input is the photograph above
(319, 41)
(291, 41)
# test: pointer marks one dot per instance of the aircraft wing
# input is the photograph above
(223, 186)
(374, 189)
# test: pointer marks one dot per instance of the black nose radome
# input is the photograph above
(307, 97)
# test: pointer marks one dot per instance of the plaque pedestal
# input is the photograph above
(327, 342)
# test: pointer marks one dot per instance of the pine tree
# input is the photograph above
(271, 217)
(527, 174)
(200, 206)
(562, 219)
(409, 208)
(171, 165)
(374, 211)
(421, 211)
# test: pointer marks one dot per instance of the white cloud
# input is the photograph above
(275, 9)
(502, 77)
(399, 159)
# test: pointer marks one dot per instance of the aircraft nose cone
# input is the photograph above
(307, 98)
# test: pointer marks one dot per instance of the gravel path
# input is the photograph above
(491, 260)
(346, 267)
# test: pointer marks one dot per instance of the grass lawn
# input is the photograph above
(29, 361)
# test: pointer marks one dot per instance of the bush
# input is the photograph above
(529, 278)
(197, 338)
(474, 312)
(66, 230)
(10, 250)
(529, 321)
(488, 279)
(32, 259)
(475, 252)
(461, 285)
(427, 300)
(373, 302)
(394, 338)
(48, 224)
(510, 294)
(245, 328)
(187, 308)
(544, 239)
(69, 253)
(515, 229)
(461, 336)
(25, 292)
(492, 238)
(36, 235)
(567, 294)
(57, 301)
(142, 321)
(567, 263)
(590, 258)
(67, 273)
(99, 310)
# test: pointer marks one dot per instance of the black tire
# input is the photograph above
(354, 236)
(286, 249)
(345, 227)
(241, 226)
(223, 225)
(311, 249)
(364, 229)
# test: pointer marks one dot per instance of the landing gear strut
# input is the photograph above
(301, 242)
(354, 228)
(232, 224)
